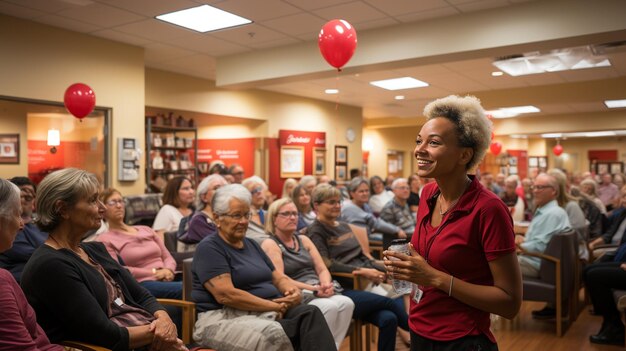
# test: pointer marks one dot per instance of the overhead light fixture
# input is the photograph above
(600, 134)
(552, 135)
(399, 83)
(331, 91)
(399, 97)
(615, 103)
(54, 140)
(203, 19)
(508, 112)
(497, 73)
(553, 61)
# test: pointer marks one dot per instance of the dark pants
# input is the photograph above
(307, 329)
(385, 313)
(466, 343)
(601, 278)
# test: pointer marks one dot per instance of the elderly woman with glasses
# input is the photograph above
(78, 291)
(244, 302)
(297, 257)
(462, 254)
(139, 249)
(341, 252)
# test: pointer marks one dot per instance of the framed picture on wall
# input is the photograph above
(319, 161)
(340, 173)
(617, 167)
(341, 154)
(603, 167)
(9, 149)
(291, 161)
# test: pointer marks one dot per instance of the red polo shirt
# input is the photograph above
(477, 230)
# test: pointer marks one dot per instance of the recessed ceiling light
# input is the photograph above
(399, 97)
(552, 135)
(600, 134)
(203, 19)
(615, 103)
(507, 112)
(331, 91)
(399, 83)
(497, 73)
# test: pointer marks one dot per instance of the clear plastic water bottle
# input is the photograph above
(401, 287)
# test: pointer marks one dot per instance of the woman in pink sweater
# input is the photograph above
(139, 250)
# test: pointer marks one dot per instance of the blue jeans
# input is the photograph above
(385, 313)
(165, 290)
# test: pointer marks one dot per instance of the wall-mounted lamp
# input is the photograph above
(54, 140)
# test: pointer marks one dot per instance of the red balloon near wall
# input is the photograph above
(557, 149)
(495, 148)
(79, 100)
(337, 42)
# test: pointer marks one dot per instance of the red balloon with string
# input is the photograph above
(337, 42)
(79, 100)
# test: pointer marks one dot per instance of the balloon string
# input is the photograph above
(337, 97)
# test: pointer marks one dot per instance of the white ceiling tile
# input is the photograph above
(401, 7)
(579, 75)
(151, 8)
(249, 35)
(162, 53)
(258, 10)
(295, 25)
(385, 22)
(122, 37)
(153, 29)
(587, 106)
(482, 5)
(539, 79)
(19, 11)
(101, 15)
(425, 72)
(318, 4)
(50, 6)
(205, 43)
(69, 24)
(425, 15)
(275, 43)
(352, 12)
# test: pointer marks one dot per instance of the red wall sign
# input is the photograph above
(239, 151)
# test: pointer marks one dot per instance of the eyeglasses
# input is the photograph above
(238, 216)
(332, 202)
(402, 188)
(288, 214)
(27, 197)
(256, 190)
(540, 187)
(115, 202)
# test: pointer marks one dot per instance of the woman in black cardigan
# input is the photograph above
(78, 291)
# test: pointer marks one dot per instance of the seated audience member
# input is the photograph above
(354, 172)
(297, 257)
(177, 203)
(575, 214)
(414, 197)
(511, 199)
(529, 202)
(341, 252)
(594, 217)
(601, 278)
(358, 212)
(237, 172)
(244, 303)
(140, 250)
(324, 179)
(389, 181)
(218, 167)
(615, 234)
(379, 195)
(302, 199)
(201, 223)
(19, 330)
(256, 225)
(590, 188)
(500, 180)
(78, 291)
(397, 211)
(549, 219)
(29, 237)
(487, 181)
(607, 191)
(308, 182)
(288, 186)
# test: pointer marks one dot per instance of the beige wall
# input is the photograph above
(40, 62)
(12, 121)
(402, 139)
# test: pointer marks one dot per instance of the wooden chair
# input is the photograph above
(556, 280)
(356, 327)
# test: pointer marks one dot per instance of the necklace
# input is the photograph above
(61, 247)
(453, 203)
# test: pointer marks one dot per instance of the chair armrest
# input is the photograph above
(540, 255)
(606, 246)
(188, 316)
(356, 281)
(83, 346)
(177, 303)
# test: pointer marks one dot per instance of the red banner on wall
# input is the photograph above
(230, 151)
(300, 138)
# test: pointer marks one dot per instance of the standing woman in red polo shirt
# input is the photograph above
(463, 260)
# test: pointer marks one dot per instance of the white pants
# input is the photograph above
(337, 311)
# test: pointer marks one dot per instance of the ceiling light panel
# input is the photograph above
(204, 19)
(399, 83)
(615, 103)
(553, 61)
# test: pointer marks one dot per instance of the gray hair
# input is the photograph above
(354, 183)
(223, 195)
(9, 198)
(472, 126)
(308, 178)
(324, 192)
(594, 186)
(203, 188)
(68, 185)
(254, 179)
(397, 181)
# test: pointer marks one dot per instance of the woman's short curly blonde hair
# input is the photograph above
(472, 126)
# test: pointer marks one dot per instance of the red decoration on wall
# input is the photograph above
(239, 151)
(337, 42)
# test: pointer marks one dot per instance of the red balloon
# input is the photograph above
(557, 149)
(495, 148)
(79, 100)
(337, 42)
